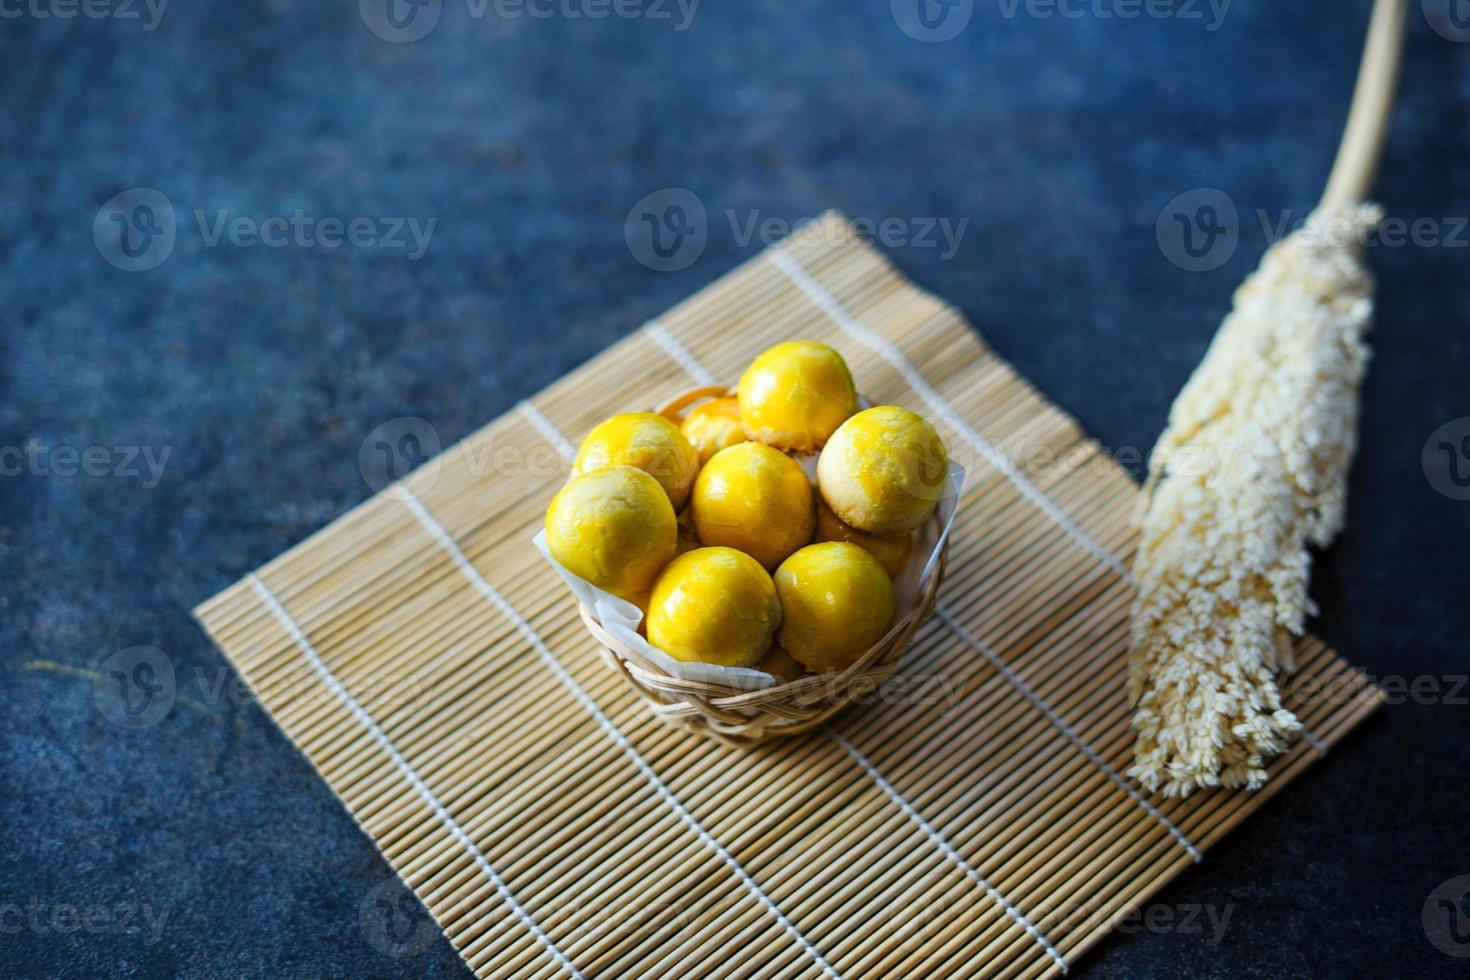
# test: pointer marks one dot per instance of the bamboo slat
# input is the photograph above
(972, 819)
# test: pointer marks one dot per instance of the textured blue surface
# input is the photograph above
(260, 371)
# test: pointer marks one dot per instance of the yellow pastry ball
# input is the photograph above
(836, 602)
(714, 606)
(754, 498)
(613, 527)
(712, 426)
(780, 665)
(891, 550)
(795, 395)
(686, 540)
(884, 470)
(645, 440)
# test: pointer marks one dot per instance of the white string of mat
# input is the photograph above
(939, 841)
(974, 643)
(678, 352)
(548, 431)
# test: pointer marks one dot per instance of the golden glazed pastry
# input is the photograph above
(714, 606)
(686, 539)
(795, 395)
(891, 550)
(883, 471)
(780, 665)
(645, 440)
(756, 499)
(836, 602)
(613, 527)
(713, 425)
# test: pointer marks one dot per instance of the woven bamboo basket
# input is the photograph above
(745, 718)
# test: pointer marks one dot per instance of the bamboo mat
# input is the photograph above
(975, 823)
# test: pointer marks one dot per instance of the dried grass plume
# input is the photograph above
(1250, 472)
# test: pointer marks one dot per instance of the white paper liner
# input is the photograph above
(621, 618)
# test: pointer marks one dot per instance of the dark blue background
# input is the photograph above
(261, 370)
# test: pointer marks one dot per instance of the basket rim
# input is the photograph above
(871, 662)
(671, 407)
(744, 718)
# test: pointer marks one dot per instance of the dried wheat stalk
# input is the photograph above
(1251, 472)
